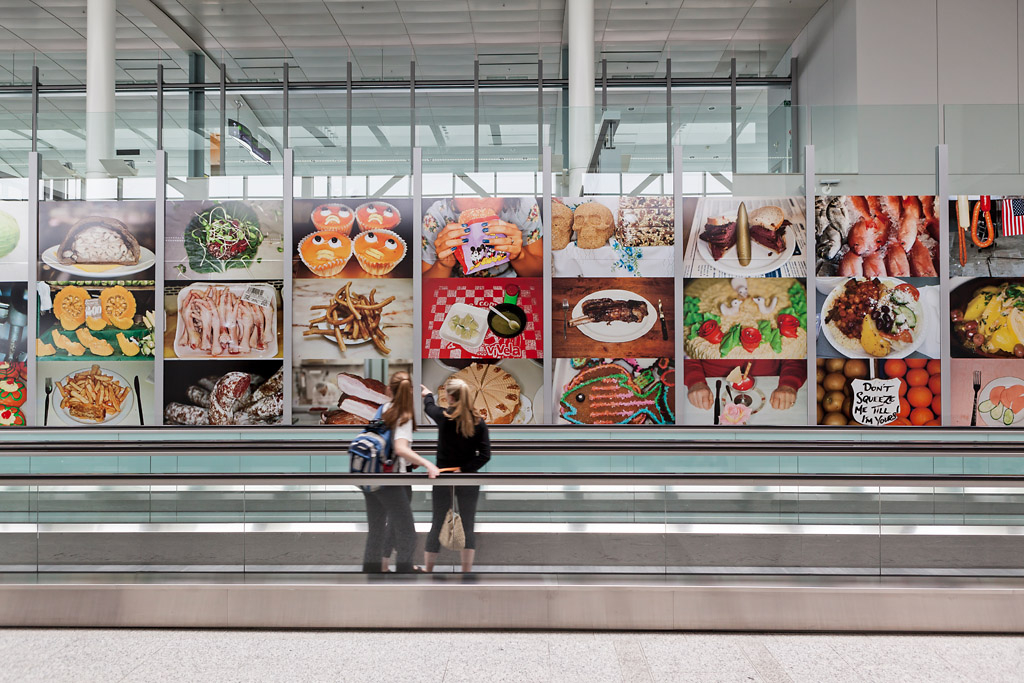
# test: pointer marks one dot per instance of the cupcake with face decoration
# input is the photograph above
(334, 217)
(325, 252)
(379, 251)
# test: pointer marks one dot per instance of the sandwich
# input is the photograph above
(768, 228)
(720, 234)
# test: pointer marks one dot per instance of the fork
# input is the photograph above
(46, 406)
(565, 319)
(977, 388)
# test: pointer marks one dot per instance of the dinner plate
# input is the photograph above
(126, 406)
(147, 259)
(986, 418)
(185, 351)
(919, 333)
(615, 331)
(762, 260)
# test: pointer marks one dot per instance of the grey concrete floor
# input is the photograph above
(113, 656)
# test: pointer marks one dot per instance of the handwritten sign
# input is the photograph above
(876, 401)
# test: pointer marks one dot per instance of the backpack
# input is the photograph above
(370, 451)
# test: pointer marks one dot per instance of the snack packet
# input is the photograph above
(475, 256)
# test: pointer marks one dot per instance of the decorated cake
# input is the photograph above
(336, 217)
(11, 417)
(743, 319)
(608, 393)
(497, 392)
(377, 216)
(379, 251)
(646, 222)
(12, 393)
(325, 252)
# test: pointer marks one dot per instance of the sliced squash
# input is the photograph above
(99, 347)
(117, 304)
(69, 307)
(128, 346)
(122, 323)
(44, 349)
(72, 347)
(96, 324)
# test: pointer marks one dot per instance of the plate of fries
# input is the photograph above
(350, 319)
(93, 397)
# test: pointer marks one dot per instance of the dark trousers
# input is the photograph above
(389, 532)
(389, 507)
(441, 499)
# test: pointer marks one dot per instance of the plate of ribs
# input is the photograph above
(771, 244)
(613, 315)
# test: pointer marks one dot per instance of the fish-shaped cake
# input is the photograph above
(608, 394)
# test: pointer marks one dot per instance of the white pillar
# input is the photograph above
(100, 56)
(580, 21)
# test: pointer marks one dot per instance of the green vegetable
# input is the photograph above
(731, 340)
(223, 237)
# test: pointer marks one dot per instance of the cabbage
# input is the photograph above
(10, 233)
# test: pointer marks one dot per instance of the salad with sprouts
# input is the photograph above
(223, 237)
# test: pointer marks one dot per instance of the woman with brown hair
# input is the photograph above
(464, 444)
(389, 506)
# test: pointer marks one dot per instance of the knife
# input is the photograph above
(138, 400)
(718, 397)
(664, 327)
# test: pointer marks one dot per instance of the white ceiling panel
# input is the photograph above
(443, 36)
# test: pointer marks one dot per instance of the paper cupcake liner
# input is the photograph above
(376, 268)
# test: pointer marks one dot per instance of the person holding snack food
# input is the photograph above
(483, 237)
(463, 445)
(389, 506)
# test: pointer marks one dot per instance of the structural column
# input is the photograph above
(580, 20)
(101, 23)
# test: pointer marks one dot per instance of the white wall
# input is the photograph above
(948, 58)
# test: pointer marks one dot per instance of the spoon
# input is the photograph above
(512, 324)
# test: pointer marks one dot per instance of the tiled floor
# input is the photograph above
(113, 656)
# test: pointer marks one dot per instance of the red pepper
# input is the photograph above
(711, 331)
(788, 325)
(986, 202)
(750, 338)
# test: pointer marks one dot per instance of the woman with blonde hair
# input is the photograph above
(388, 506)
(464, 444)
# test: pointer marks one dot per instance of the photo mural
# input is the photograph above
(628, 285)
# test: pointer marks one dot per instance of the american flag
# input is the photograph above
(1013, 217)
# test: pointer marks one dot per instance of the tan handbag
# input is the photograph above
(453, 536)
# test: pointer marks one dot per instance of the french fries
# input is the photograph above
(351, 317)
(91, 395)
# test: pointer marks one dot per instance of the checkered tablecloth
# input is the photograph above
(440, 298)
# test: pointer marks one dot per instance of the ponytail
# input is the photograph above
(401, 408)
(460, 410)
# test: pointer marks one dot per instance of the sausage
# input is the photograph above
(266, 409)
(274, 385)
(198, 396)
(225, 393)
(181, 414)
(991, 237)
(209, 382)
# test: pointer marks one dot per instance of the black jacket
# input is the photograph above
(453, 449)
